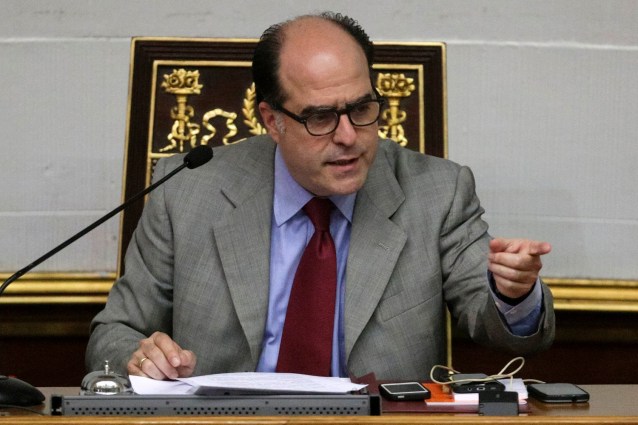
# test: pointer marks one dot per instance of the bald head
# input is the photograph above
(309, 35)
(316, 54)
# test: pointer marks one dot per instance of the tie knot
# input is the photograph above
(318, 210)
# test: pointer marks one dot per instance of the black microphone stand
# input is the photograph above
(22, 393)
(86, 230)
(197, 161)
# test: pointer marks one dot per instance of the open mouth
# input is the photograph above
(343, 162)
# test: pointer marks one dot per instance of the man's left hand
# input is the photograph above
(515, 264)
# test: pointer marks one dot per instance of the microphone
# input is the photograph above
(15, 392)
(195, 158)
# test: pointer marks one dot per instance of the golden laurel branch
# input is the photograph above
(249, 112)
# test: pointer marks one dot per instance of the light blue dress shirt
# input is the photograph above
(291, 231)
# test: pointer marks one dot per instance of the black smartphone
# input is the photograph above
(558, 393)
(404, 391)
(465, 386)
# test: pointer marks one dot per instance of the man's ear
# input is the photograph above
(270, 120)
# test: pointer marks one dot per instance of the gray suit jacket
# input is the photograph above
(197, 267)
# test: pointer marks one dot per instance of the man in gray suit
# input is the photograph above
(209, 269)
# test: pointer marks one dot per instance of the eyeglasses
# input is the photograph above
(322, 122)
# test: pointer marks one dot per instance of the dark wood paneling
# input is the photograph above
(45, 344)
(590, 348)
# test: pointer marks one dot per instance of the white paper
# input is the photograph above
(148, 386)
(246, 383)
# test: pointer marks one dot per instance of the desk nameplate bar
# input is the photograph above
(187, 405)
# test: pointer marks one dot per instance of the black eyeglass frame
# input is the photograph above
(379, 99)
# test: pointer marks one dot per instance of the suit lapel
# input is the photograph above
(375, 245)
(243, 241)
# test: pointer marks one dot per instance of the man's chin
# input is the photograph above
(346, 186)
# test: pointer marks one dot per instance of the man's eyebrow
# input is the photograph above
(364, 98)
(308, 110)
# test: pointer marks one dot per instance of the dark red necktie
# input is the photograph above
(306, 342)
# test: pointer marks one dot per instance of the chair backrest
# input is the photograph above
(187, 92)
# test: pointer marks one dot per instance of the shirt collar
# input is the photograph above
(290, 197)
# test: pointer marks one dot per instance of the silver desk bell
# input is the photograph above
(105, 382)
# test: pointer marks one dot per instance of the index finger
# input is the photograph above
(524, 246)
(538, 248)
(504, 245)
(169, 348)
(160, 350)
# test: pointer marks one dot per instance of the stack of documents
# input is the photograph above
(244, 383)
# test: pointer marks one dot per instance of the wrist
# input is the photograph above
(508, 300)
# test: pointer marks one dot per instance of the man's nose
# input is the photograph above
(345, 132)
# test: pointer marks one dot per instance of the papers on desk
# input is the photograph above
(254, 383)
(147, 386)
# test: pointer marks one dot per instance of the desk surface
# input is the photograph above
(609, 404)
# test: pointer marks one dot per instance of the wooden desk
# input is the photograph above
(609, 404)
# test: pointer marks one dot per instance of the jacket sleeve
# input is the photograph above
(464, 252)
(140, 302)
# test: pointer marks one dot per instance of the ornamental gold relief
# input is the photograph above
(394, 87)
(183, 84)
(250, 118)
